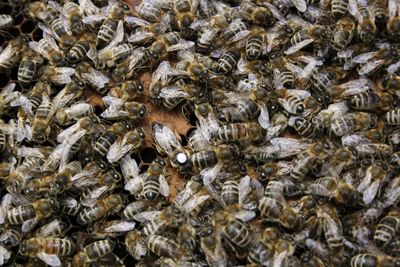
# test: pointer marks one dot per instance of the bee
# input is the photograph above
(306, 160)
(28, 67)
(387, 229)
(332, 226)
(392, 117)
(185, 12)
(48, 48)
(10, 237)
(56, 75)
(114, 55)
(239, 131)
(274, 207)
(134, 63)
(84, 47)
(17, 178)
(38, 187)
(393, 25)
(119, 109)
(255, 45)
(353, 122)
(135, 244)
(313, 34)
(73, 13)
(41, 11)
(47, 249)
(62, 180)
(103, 206)
(6, 21)
(68, 116)
(93, 251)
(331, 187)
(234, 32)
(371, 101)
(343, 34)
(209, 158)
(304, 127)
(11, 54)
(149, 11)
(369, 260)
(131, 141)
(211, 244)
(104, 142)
(342, 158)
(162, 246)
(228, 61)
(42, 119)
(30, 214)
(92, 77)
(259, 15)
(272, 170)
(371, 181)
(70, 206)
(366, 27)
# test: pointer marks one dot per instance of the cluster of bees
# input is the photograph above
(293, 161)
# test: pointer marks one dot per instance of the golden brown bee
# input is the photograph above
(128, 90)
(185, 12)
(260, 15)
(352, 122)
(62, 180)
(92, 252)
(239, 131)
(83, 48)
(29, 65)
(42, 11)
(73, 12)
(343, 34)
(332, 226)
(209, 158)
(108, 204)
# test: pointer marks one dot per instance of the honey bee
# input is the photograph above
(332, 226)
(68, 116)
(150, 11)
(29, 65)
(48, 48)
(312, 34)
(103, 206)
(260, 15)
(62, 180)
(307, 159)
(211, 244)
(84, 47)
(227, 61)
(30, 214)
(55, 228)
(209, 158)
(392, 117)
(239, 131)
(152, 184)
(118, 109)
(47, 249)
(256, 44)
(56, 75)
(386, 229)
(96, 79)
(185, 12)
(343, 33)
(38, 187)
(135, 244)
(353, 122)
(162, 246)
(173, 95)
(274, 207)
(341, 159)
(393, 24)
(374, 176)
(128, 90)
(366, 27)
(367, 260)
(130, 141)
(331, 187)
(41, 11)
(371, 100)
(11, 54)
(73, 13)
(92, 252)
(134, 63)
(234, 32)
(10, 237)
(168, 143)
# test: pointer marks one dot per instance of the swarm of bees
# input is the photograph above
(293, 158)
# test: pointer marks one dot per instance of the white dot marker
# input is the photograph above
(181, 158)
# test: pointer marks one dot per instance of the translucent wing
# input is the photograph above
(94, 195)
(238, 36)
(6, 202)
(47, 230)
(294, 48)
(194, 202)
(134, 185)
(23, 102)
(164, 187)
(70, 202)
(61, 75)
(97, 78)
(7, 53)
(121, 226)
(263, 118)
(8, 89)
(244, 215)
(135, 21)
(129, 167)
(182, 44)
(165, 138)
(88, 7)
(29, 224)
(4, 255)
(173, 92)
(209, 174)
(93, 19)
(244, 189)
(393, 67)
(370, 193)
(370, 66)
(301, 5)
(147, 216)
(50, 259)
(118, 37)
(319, 190)
(393, 8)
(118, 150)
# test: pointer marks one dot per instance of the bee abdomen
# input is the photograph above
(392, 117)
(103, 144)
(151, 187)
(106, 32)
(339, 7)
(254, 46)
(230, 192)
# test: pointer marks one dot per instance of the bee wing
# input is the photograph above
(370, 66)
(23, 102)
(62, 75)
(118, 150)
(93, 19)
(162, 72)
(393, 67)
(164, 187)
(301, 5)
(136, 22)
(4, 255)
(66, 148)
(182, 44)
(263, 119)
(296, 47)
(7, 53)
(244, 215)
(25, 151)
(5, 205)
(29, 224)
(94, 195)
(370, 193)
(364, 58)
(302, 94)
(319, 190)
(120, 226)
(209, 174)
(134, 185)
(393, 8)
(136, 56)
(70, 202)
(129, 167)
(173, 92)
(118, 37)
(139, 36)
(96, 77)
(238, 36)
(47, 229)
(114, 112)
(147, 216)
(49, 259)
(244, 189)
(194, 202)
(78, 109)
(275, 12)
(8, 89)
